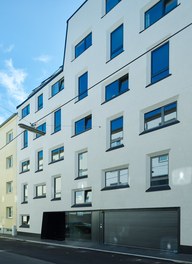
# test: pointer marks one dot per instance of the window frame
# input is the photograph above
(25, 139)
(58, 86)
(24, 223)
(118, 184)
(56, 193)
(9, 136)
(85, 125)
(78, 165)
(40, 102)
(163, 123)
(86, 42)
(27, 164)
(9, 212)
(115, 52)
(85, 195)
(40, 160)
(43, 191)
(163, 12)
(107, 8)
(82, 95)
(115, 131)
(119, 81)
(9, 162)
(58, 152)
(9, 187)
(41, 127)
(25, 111)
(25, 193)
(57, 120)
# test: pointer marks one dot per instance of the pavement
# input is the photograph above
(138, 252)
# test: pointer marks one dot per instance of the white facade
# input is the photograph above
(139, 146)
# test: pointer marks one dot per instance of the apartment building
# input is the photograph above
(114, 165)
(8, 172)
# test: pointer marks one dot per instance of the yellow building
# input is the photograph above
(8, 167)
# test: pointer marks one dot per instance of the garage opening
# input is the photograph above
(145, 228)
(53, 226)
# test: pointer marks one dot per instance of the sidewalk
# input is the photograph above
(154, 254)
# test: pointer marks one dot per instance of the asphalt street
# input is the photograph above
(22, 252)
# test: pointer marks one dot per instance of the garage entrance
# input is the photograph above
(147, 228)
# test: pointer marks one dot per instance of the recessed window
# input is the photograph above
(83, 197)
(57, 188)
(83, 45)
(57, 154)
(25, 166)
(25, 221)
(57, 121)
(158, 11)
(25, 139)
(40, 102)
(41, 128)
(9, 162)
(116, 42)
(57, 87)
(40, 160)
(9, 136)
(25, 193)
(117, 88)
(159, 174)
(9, 212)
(83, 125)
(110, 4)
(160, 117)
(160, 63)
(82, 164)
(40, 191)
(116, 134)
(83, 86)
(116, 178)
(9, 187)
(25, 111)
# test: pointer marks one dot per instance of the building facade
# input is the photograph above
(114, 166)
(8, 173)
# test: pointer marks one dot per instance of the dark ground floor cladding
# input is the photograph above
(144, 228)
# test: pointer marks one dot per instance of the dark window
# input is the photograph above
(83, 197)
(40, 102)
(41, 128)
(82, 164)
(57, 188)
(25, 166)
(161, 116)
(25, 193)
(116, 136)
(83, 125)
(57, 87)
(57, 120)
(40, 160)
(25, 111)
(57, 154)
(83, 86)
(116, 88)
(159, 171)
(160, 63)
(116, 41)
(25, 139)
(110, 4)
(25, 221)
(40, 191)
(158, 11)
(83, 45)
(116, 178)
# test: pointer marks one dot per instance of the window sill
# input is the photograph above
(159, 19)
(56, 199)
(56, 132)
(24, 148)
(115, 187)
(159, 188)
(24, 203)
(158, 80)
(52, 162)
(114, 56)
(24, 226)
(38, 171)
(79, 100)
(82, 205)
(160, 127)
(81, 133)
(114, 97)
(113, 148)
(39, 197)
(38, 110)
(24, 171)
(82, 177)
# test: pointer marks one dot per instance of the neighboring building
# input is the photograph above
(115, 164)
(8, 172)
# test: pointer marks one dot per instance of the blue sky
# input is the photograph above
(32, 37)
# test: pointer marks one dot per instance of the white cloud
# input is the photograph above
(43, 58)
(13, 79)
